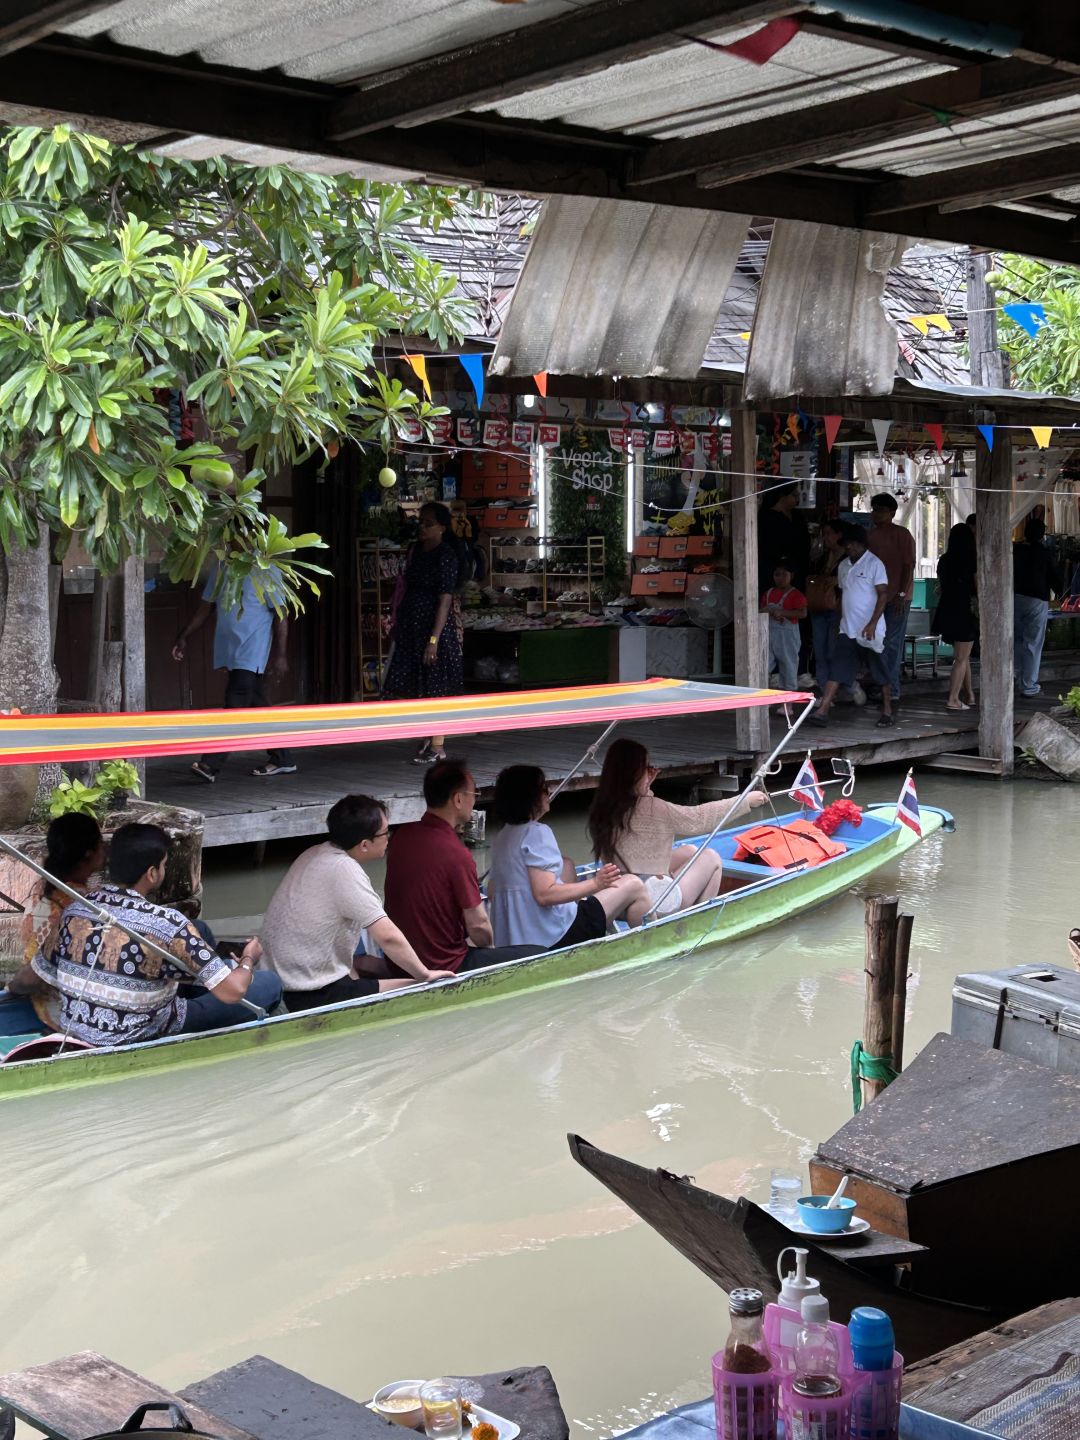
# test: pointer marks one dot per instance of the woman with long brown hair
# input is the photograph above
(636, 830)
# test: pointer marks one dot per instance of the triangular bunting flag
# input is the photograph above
(1029, 316)
(832, 426)
(922, 323)
(760, 46)
(881, 433)
(473, 365)
(540, 379)
(987, 432)
(419, 365)
(1042, 435)
(936, 435)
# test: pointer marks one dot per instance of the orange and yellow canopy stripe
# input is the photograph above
(38, 739)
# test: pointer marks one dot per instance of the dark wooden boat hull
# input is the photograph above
(735, 1242)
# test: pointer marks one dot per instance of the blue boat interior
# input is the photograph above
(740, 873)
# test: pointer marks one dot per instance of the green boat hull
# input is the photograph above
(743, 913)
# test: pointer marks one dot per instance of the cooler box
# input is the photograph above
(1032, 1011)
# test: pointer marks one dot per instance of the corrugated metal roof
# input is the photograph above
(692, 89)
(332, 40)
(820, 326)
(611, 287)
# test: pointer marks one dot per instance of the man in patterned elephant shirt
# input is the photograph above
(115, 992)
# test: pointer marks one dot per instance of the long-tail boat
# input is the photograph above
(754, 896)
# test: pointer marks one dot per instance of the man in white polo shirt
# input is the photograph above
(313, 922)
(864, 593)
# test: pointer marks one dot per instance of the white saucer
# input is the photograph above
(857, 1226)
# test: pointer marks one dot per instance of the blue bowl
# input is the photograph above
(826, 1222)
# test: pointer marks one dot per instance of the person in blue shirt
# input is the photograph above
(248, 639)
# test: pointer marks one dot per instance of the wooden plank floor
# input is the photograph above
(240, 808)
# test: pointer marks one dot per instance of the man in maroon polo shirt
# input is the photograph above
(432, 893)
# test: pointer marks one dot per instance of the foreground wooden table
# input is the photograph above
(88, 1394)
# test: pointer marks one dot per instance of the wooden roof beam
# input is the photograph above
(24, 21)
(991, 182)
(821, 132)
(561, 48)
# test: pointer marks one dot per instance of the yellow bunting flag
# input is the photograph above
(922, 323)
(744, 334)
(1042, 435)
(419, 365)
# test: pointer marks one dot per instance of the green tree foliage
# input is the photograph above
(261, 293)
(1048, 361)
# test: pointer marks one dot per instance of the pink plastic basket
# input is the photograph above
(746, 1405)
(816, 1418)
(875, 1402)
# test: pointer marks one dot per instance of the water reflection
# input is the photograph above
(402, 1202)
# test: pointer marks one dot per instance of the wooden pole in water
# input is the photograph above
(881, 925)
(899, 1003)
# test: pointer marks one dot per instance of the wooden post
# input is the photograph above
(993, 478)
(134, 634)
(880, 980)
(899, 1003)
(987, 361)
(106, 646)
(751, 635)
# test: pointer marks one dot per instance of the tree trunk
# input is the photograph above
(28, 679)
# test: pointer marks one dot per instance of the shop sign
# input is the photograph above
(495, 434)
(550, 434)
(586, 469)
(523, 433)
(466, 432)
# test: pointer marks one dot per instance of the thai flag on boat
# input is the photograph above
(807, 788)
(907, 807)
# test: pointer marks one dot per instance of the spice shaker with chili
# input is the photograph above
(745, 1382)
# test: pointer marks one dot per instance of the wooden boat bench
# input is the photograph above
(87, 1394)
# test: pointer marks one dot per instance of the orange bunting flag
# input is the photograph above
(541, 382)
(936, 435)
(1042, 435)
(419, 365)
(832, 427)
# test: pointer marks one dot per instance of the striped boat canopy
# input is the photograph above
(38, 739)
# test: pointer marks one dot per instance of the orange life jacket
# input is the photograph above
(784, 847)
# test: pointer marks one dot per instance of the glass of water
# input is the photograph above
(785, 1187)
(441, 1401)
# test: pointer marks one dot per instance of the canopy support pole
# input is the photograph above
(755, 779)
(590, 754)
(106, 919)
(751, 627)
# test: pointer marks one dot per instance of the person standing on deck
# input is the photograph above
(785, 607)
(1035, 577)
(248, 639)
(894, 546)
(864, 594)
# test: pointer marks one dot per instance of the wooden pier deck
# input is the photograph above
(242, 809)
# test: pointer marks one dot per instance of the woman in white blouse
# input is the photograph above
(534, 897)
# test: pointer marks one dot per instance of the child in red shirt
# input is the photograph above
(785, 607)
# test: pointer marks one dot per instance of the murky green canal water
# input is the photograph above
(403, 1203)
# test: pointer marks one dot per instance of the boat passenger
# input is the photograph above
(534, 894)
(313, 922)
(432, 890)
(74, 853)
(636, 830)
(112, 991)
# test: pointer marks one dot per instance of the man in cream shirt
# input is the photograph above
(313, 922)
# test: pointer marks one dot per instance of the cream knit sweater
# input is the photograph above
(646, 844)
